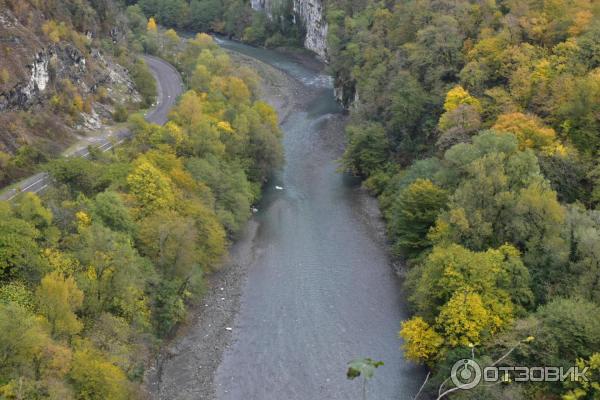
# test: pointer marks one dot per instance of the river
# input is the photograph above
(319, 288)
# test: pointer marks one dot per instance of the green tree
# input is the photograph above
(111, 210)
(203, 13)
(29, 207)
(413, 213)
(367, 149)
(567, 329)
(31, 364)
(233, 192)
(496, 274)
(112, 274)
(170, 240)
(18, 247)
(144, 82)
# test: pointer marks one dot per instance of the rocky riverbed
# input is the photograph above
(308, 286)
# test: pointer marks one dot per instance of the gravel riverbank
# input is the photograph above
(196, 350)
(308, 285)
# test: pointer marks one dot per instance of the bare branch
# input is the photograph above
(422, 386)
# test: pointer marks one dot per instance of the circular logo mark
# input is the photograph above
(466, 374)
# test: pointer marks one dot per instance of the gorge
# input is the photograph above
(320, 290)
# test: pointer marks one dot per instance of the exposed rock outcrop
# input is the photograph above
(66, 62)
(34, 72)
(310, 14)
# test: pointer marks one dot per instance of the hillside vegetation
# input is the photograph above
(478, 126)
(94, 275)
(65, 72)
(234, 18)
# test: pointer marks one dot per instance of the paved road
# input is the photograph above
(169, 86)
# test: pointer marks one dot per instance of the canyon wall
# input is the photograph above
(310, 14)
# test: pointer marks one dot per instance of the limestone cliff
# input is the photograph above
(42, 79)
(310, 14)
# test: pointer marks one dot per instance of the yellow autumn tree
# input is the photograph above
(94, 377)
(151, 27)
(58, 298)
(461, 109)
(470, 296)
(530, 132)
(236, 91)
(421, 342)
(30, 208)
(60, 261)
(201, 78)
(204, 40)
(585, 388)
(174, 134)
(4, 76)
(150, 187)
(458, 96)
(83, 219)
(464, 318)
(172, 39)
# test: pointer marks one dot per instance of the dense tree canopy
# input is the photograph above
(477, 125)
(105, 265)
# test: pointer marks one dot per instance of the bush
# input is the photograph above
(120, 114)
(144, 82)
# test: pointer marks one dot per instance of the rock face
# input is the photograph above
(33, 72)
(67, 61)
(310, 14)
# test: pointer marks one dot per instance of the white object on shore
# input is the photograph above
(254, 209)
(228, 329)
(278, 188)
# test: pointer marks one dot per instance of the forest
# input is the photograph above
(102, 268)
(477, 125)
(233, 18)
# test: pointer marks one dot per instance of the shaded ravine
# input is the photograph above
(319, 289)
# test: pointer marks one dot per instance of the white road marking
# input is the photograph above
(160, 97)
(33, 184)
(42, 188)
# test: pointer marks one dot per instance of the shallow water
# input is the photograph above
(320, 290)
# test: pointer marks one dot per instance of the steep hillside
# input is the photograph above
(58, 76)
(101, 269)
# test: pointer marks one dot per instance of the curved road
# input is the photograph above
(169, 86)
